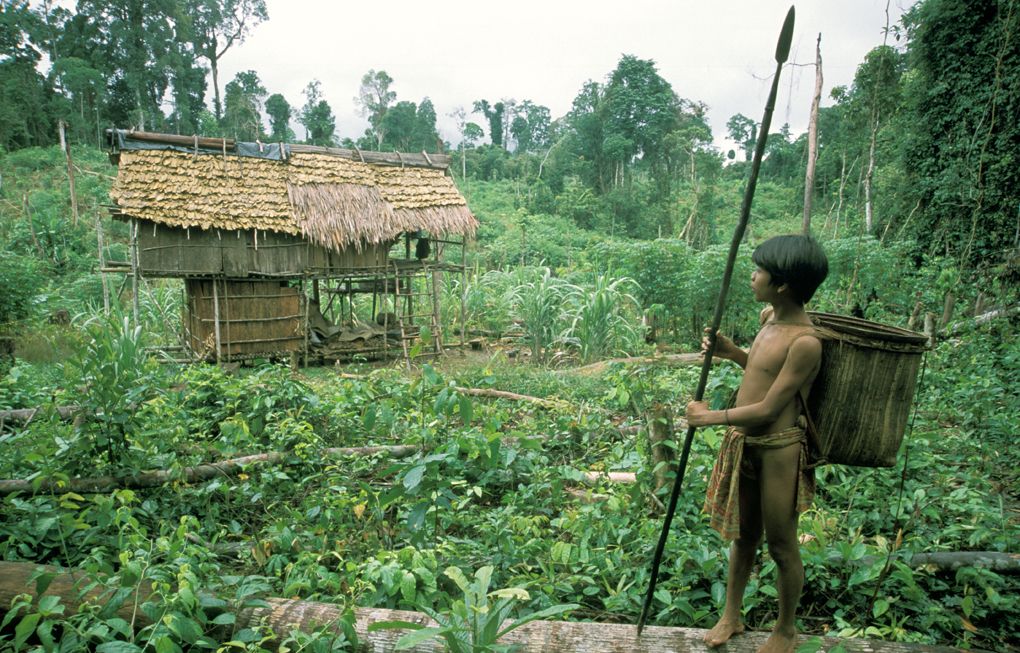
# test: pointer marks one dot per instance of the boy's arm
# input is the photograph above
(801, 362)
(724, 348)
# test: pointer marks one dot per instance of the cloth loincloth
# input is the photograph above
(722, 501)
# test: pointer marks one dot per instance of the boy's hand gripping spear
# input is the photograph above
(782, 52)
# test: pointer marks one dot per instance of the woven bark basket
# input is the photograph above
(863, 395)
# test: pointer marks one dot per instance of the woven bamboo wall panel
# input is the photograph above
(255, 317)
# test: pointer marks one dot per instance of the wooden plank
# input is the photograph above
(234, 253)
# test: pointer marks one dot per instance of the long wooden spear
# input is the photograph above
(782, 52)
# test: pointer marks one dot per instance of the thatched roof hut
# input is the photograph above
(246, 225)
(335, 198)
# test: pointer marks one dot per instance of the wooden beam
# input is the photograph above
(284, 615)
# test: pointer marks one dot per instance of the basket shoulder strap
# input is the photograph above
(815, 444)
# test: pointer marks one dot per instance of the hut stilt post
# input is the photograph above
(101, 253)
(437, 282)
(216, 317)
(226, 320)
(463, 290)
(134, 270)
(307, 304)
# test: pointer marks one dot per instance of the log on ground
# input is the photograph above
(196, 474)
(284, 615)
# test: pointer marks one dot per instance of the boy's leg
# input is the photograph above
(779, 474)
(742, 553)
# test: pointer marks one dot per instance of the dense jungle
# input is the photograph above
(514, 477)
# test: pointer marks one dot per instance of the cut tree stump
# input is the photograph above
(284, 615)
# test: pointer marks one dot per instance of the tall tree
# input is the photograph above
(317, 116)
(744, 132)
(279, 118)
(138, 43)
(965, 117)
(242, 113)
(216, 26)
(494, 115)
(425, 136)
(398, 126)
(531, 126)
(374, 99)
(24, 93)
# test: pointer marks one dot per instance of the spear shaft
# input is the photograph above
(782, 52)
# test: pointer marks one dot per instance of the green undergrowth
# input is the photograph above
(493, 483)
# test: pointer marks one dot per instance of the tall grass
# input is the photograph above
(539, 304)
(603, 318)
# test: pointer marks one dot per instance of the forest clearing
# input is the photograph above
(259, 393)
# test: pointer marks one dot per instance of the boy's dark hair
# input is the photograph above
(795, 260)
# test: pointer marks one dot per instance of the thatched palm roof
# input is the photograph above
(334, 201)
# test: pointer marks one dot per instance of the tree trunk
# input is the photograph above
(217, 102)
(947, 309)
(66, 147)
(916, 313)
(809, 178)
(284, 615)
(868, 205)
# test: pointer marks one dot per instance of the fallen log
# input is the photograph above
(286, 615)
(26, 415)
(997, 561)
(679, 360)
(958, 327)
(195, 474)
(591, 478)
(512, 396)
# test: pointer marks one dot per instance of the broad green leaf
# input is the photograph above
(24, 628)
(457, 576)
(118, 647)
(408, 586)
(411, 640)
(413, 477)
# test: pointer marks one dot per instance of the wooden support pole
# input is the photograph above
(216, 317)
(100, 247)
(134, 272)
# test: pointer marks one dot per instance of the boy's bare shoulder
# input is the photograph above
(807, 344)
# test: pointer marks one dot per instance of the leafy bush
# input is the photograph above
(21, 278)
(115, 377)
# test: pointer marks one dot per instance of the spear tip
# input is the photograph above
(785, 37)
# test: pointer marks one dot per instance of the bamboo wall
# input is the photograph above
(174, 252)
(255, 317)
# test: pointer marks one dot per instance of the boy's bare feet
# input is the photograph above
(779, 643)
(722, 631)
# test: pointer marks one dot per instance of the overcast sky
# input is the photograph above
(719, 52)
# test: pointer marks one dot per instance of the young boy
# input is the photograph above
(761, 482)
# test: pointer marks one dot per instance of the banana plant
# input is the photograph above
(475, 623)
